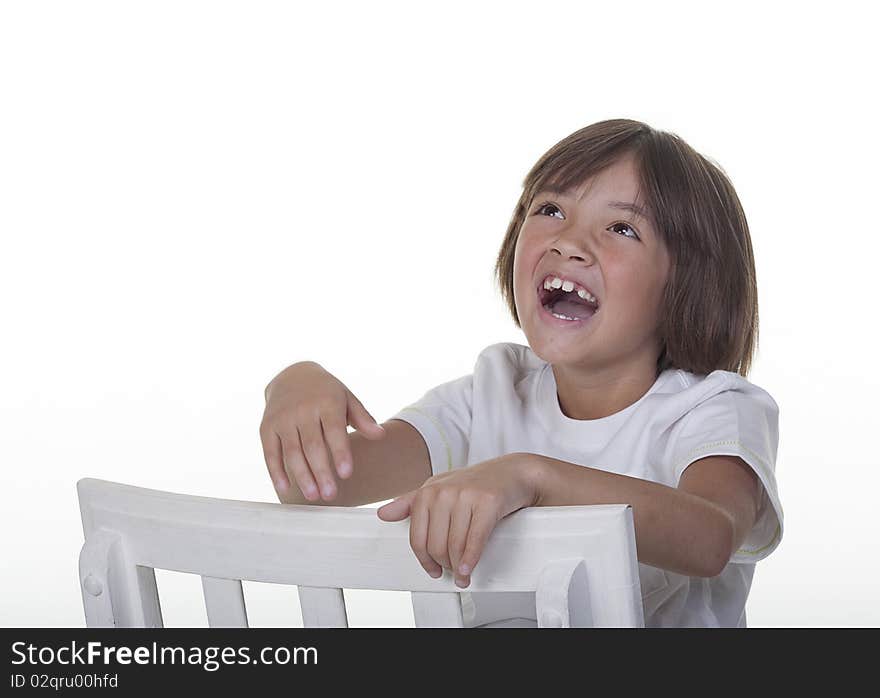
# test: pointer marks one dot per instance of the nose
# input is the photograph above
(573, 244)
(573, 251)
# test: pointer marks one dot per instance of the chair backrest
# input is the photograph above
(580, 561)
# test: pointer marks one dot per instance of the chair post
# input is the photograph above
(114, 593)
(562, 598)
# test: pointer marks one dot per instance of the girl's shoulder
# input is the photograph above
(518, 357)
(707, 385)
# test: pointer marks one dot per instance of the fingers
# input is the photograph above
(336, 437)
(448, 530)
(458, 534)
(303, 458)
(362, 420)
(441, 506)
(483, 521)
(314, 448)
(304, 430)
(418, 536)
(274, 456)
(397, 509)
(296, 465)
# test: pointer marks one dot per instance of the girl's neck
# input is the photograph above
(595, 395)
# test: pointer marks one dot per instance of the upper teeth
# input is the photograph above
(552, 282)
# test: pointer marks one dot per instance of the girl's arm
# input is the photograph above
(676, 529)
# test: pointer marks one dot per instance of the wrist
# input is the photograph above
(532, 473)
(281, 377)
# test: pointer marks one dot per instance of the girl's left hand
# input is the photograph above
(452, 514)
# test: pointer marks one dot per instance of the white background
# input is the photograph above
(178, 179)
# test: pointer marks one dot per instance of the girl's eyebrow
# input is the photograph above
(620, 205)
(631, 207)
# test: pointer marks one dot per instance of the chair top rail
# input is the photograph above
(347, 547)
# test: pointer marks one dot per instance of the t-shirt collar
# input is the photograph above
(576, 430)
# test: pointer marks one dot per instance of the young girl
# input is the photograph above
(628, 266)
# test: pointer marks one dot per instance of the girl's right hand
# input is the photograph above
(307, 412)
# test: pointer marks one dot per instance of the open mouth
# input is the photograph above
(566, 306)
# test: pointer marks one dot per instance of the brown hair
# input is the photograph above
(711, 294)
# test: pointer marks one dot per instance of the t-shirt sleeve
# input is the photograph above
(744, 422)
(443, 417)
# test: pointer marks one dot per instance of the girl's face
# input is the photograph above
(617, 255)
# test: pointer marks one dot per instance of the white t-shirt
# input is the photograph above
(509, 404)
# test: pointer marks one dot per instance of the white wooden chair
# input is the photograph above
(579, 561)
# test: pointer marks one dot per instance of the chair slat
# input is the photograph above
(437, 610)
(224, 602)
(322, 607)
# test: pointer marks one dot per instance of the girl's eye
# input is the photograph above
(627, 226)
(547, 205)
